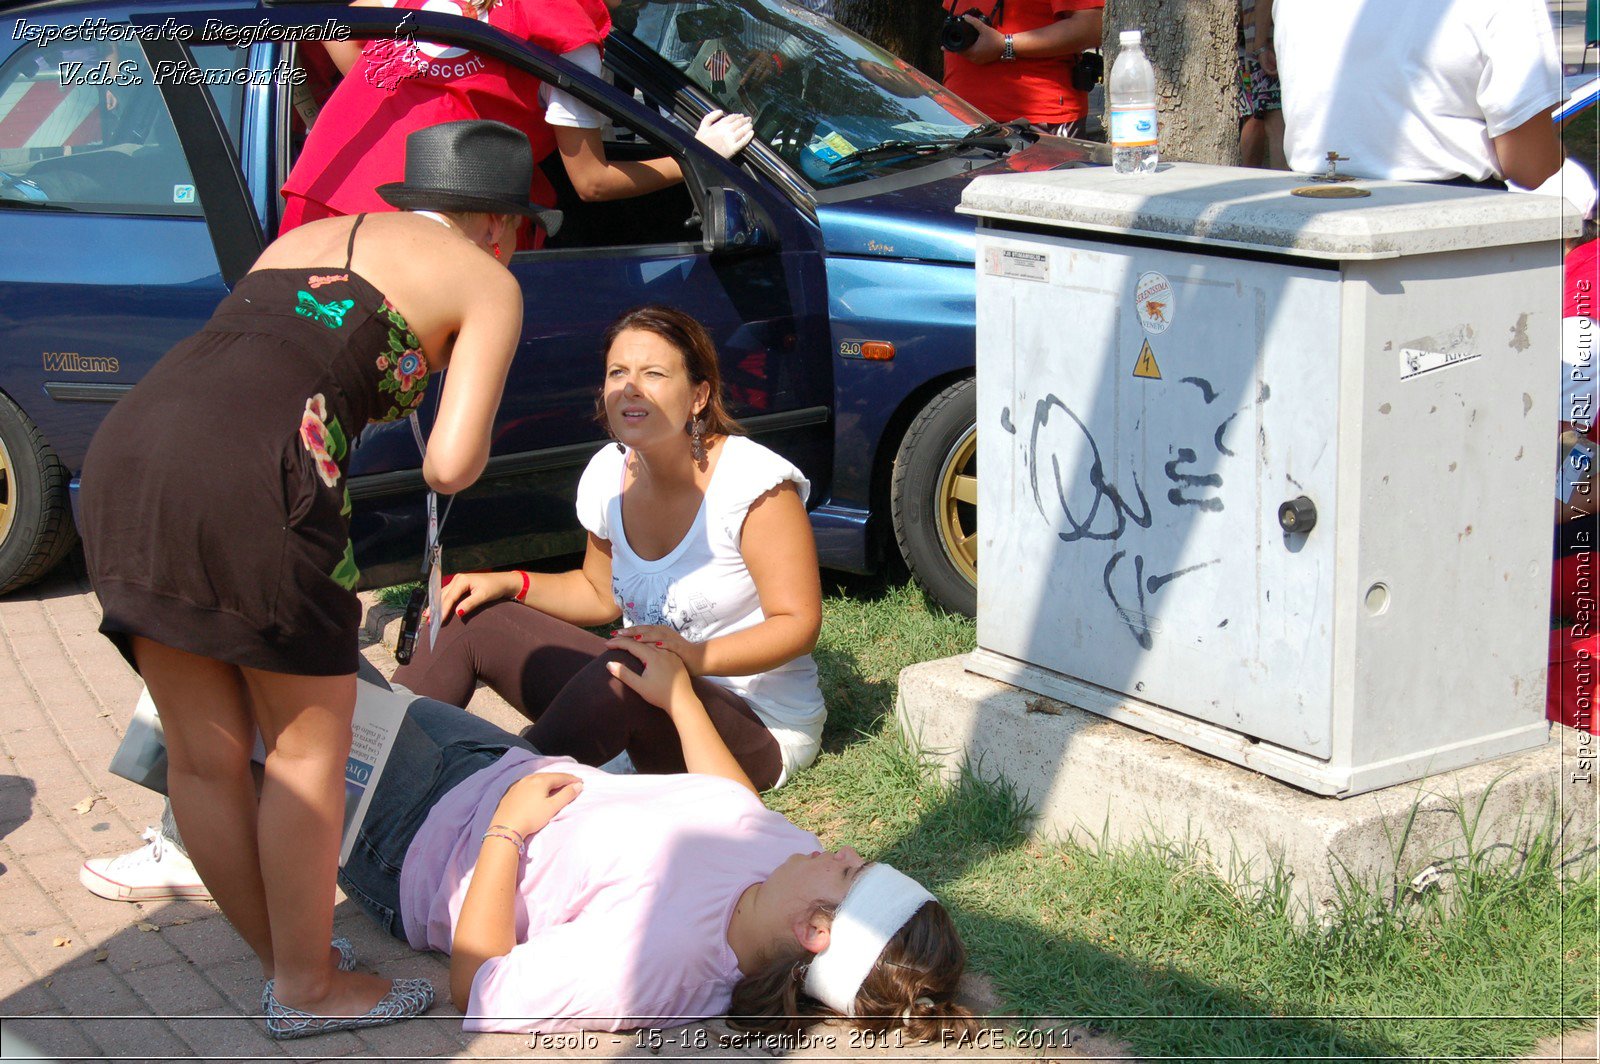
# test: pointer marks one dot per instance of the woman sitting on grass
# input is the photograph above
(698, 540)
(571, 899)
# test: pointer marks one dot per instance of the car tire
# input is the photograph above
(35, 512)
(933, 497)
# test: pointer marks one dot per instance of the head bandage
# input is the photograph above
(877, 906)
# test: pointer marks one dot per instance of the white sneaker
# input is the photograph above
(155, 870)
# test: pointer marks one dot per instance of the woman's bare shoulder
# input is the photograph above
(326, 242)
(412, 258)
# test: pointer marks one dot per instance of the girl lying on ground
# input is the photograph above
(699, 542)
(572, 899)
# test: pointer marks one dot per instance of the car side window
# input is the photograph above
(226, 93)
(667, 216)
(83, 127)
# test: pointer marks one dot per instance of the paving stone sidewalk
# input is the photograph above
(81, 977)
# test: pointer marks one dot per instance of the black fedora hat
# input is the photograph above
(470, 165)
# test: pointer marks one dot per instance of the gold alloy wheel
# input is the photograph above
(8, 492)
(957, 505)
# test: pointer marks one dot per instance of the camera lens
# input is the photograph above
(957, 34)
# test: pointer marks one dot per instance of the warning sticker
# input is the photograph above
(1415, 362)
(1023, 265)
(1146, 366)
(1152, 299)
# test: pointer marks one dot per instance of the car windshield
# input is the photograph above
(822, 98)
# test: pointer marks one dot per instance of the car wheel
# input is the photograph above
(35, 514)
(933, 497)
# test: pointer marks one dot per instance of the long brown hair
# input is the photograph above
(912, 985)
(690, 339)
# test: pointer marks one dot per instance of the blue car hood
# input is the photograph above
(911, 219)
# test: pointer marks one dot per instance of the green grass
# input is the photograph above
(1581, 139)
(1146, 942)
(397, 595)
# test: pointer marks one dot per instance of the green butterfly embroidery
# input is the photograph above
(330, 314)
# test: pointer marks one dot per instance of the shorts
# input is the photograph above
(1258, 91)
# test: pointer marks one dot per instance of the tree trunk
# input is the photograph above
(1193, 46)
(908, 28)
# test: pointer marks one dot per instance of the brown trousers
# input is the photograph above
(554, 673)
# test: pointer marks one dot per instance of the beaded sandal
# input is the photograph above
(407, 998)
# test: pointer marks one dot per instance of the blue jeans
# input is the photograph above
(437, 746)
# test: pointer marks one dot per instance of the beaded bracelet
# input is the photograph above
(522, 839)
(521, 848)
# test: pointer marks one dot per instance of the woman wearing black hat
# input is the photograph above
(215, 519)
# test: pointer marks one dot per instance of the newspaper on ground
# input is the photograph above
(142, 755)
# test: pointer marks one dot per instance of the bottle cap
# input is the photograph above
(1131, 37)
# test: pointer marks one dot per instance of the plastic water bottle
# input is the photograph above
(1132, 91)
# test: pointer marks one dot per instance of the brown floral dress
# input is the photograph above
(215, 508)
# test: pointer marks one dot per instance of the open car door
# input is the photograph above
(724, 247)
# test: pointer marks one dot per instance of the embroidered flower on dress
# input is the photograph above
(405, 370)
(410, 369)
(314, 436)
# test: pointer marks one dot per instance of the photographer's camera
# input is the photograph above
(957, 34)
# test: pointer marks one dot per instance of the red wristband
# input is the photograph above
(521, 594)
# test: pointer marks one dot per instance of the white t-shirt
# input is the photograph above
(561, 108)
(1412, 90)
(622, 904)
(702, 588)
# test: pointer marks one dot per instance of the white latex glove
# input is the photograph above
(725, 134)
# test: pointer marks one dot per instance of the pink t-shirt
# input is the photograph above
(624, 897)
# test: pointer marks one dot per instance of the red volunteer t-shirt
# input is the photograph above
(1039, 90)
(401, 84)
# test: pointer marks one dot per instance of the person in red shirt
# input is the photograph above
(1021, 66)
(395, 85)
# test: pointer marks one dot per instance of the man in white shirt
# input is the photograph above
(1424, 90)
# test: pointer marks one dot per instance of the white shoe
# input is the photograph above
(155, 870)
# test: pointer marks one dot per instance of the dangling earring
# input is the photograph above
(697, 447)
(494, 249)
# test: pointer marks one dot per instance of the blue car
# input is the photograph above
(142, 143)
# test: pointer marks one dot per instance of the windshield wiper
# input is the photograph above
(991, 137)
(36, 205)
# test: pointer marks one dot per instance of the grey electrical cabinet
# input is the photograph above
(1271, 473)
